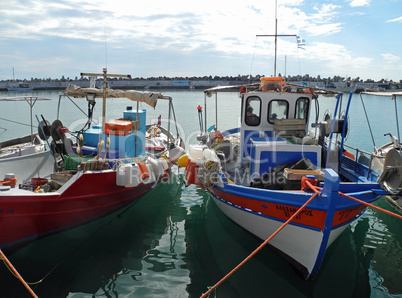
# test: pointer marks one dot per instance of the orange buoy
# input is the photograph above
(143, 170)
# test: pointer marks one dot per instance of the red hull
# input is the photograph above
(26, 216)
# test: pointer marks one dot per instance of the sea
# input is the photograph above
(175, 242)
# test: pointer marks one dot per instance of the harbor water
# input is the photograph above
(175, 242)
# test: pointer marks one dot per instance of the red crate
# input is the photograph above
(119, 127)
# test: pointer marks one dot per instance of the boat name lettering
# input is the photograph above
(345, 211)
(2, 211)
(289, 210)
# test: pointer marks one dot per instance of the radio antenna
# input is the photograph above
(104, 30)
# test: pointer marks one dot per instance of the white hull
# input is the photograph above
(299, 244)
(40, 164)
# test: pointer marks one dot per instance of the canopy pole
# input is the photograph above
(397, 121)
(344, 130)
(216, 110)
(136, 130)
(29, 101)
(104, 100)
(332, 129)
(170, 109)
(368, 123)
(205, 109)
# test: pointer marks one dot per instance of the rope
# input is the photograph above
(316, 192)
(315, 188)
(16, 122)
(15, 272)
(371, 205)
(263, 244)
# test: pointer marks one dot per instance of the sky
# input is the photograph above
(176, 38)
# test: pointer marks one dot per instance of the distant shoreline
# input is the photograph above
(183, 84)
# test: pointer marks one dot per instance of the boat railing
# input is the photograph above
(371, 154)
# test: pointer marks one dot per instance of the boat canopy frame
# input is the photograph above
(148, 97)
(31, 100)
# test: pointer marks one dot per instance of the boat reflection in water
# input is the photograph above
(355, 265)
(175, 243)
(115, 251)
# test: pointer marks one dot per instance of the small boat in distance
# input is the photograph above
(21, 87)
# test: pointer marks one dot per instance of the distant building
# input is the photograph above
(181, 83)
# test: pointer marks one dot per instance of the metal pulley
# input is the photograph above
(391, 176)
(44, 130)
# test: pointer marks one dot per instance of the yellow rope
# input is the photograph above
(15, 273)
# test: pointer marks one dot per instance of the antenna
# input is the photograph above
(276, 35)
(104, 32)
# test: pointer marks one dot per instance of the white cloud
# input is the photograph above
(215, 33)
(358, 3)
(398, 20)
(321, 22)
(390, 58)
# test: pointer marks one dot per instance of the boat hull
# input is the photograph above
(302, 242)
(25, 167)
(88, 196)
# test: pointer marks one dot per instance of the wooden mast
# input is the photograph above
(105, 76)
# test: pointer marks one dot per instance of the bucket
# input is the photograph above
(38, 181)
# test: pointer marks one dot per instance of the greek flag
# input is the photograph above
(300, 43)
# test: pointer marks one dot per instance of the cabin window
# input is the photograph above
(253, 111)
(277, 109)
(302, 108)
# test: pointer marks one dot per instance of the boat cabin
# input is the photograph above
(272, 123)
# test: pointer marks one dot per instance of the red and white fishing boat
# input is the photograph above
(116, 173)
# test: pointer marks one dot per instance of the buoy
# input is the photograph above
(182, 161)
(143, 170)
(191, 172)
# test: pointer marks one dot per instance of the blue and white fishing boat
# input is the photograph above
(295, 189)
(257, 173)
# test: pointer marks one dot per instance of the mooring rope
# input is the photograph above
(15, 272)
(316, 192)
(359, 201)
(263, 244)
(371, 205)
